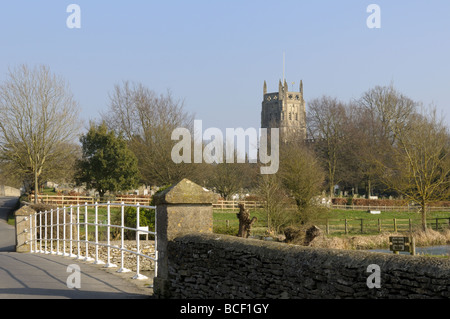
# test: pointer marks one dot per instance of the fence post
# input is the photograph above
(23, 229)
(346, 229)
(184, 208)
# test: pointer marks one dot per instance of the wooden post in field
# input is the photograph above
(379, 225)
(395, 225)
(346, 230)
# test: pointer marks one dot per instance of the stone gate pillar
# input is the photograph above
(23, 232)
(181, 209)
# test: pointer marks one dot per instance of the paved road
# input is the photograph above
(39, 276)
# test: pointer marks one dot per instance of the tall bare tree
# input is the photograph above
(38, 116)
(420, 169)
(147, 121)
(327, 122)
(383, 113)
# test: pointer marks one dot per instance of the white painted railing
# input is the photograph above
(40, 242)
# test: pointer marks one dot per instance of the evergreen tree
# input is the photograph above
(106, 164)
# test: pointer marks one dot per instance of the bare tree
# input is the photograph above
(301, 174)
(39, 115)
(420, 169)
(147, 121)
(279, 207)
(327, 121)
(382, 114)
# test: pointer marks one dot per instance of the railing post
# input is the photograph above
(97, 261)
(45, 234)
(64, 231)
(40, 232)
(138, 249)
(51, 231)
(71, 254)
(57, 231)
(86, 233)
(31, 234)
(122, 234)
(78, 232)
(108, 235)
(35, 231)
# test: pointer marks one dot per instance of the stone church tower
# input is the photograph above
(285, 110)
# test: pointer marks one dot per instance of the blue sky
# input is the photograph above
(216, 54)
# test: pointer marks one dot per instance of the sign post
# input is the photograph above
(398, 244)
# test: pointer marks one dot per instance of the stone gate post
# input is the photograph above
(183, 208)
(23, 232)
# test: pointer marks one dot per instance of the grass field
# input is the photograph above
(226, 221)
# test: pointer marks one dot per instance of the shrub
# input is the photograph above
(339, 201)
(146, 218)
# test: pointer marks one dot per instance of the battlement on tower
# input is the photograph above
(284, 110)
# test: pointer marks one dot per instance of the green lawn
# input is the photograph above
(371, 224)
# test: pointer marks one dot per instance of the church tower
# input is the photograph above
(284, 110)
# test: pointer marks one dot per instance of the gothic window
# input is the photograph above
(290, 117)
(296, 116)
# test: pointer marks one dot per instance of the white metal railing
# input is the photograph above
(45, 245)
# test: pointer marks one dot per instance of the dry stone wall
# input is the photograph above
(219, 266)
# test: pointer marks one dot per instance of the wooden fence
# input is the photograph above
(64, 200)
(372, 225)
(234, 204)
(406, 208)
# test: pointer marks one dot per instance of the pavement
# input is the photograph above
(39, 276)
